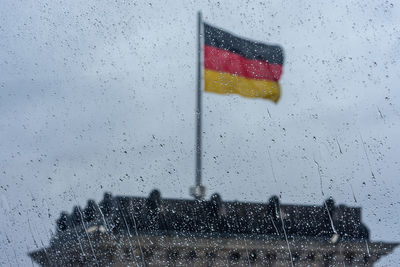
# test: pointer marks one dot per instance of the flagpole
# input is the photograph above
(198, 191)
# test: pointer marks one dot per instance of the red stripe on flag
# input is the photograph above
(226, 61)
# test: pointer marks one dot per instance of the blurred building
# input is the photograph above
(133, 231)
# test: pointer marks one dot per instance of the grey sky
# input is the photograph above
(99, 96)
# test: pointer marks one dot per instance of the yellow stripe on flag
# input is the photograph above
(227, 83)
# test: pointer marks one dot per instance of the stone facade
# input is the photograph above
(130, 231)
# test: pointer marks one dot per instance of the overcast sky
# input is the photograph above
(99, 96)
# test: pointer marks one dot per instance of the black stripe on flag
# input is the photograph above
(249, 49)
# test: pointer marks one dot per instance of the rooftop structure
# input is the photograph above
(135, 231)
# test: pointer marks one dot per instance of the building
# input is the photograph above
(134, 231)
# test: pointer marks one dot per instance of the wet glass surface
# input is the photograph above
(100, 96)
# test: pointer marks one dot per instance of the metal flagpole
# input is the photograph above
(198, 191)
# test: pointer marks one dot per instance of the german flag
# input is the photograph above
(234, 65)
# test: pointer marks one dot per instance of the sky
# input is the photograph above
(99, 96)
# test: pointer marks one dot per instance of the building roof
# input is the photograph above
(215, 218)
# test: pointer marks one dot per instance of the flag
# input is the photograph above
(233, 65)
